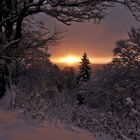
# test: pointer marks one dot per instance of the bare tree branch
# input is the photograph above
(9, 44)
(13, 12)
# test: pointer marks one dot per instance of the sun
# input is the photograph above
(69, 59)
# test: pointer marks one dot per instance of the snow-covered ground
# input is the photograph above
(15, 126)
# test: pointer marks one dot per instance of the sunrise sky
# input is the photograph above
(97, 40)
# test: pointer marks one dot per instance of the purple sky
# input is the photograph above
(97, 40)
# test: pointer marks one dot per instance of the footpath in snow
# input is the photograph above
(19, 127)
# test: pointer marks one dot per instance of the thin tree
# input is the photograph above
(84, 68)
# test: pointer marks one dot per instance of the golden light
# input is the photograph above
(70, 59)
(101, 60)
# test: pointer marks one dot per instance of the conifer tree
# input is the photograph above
(83, 77)
(84, 68)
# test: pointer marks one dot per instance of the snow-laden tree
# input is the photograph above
(127, 51)
(81, 81)
(84, 68)
(13, 12)
(26, 60)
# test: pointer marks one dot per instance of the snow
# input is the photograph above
(129, 101)
(16, 126)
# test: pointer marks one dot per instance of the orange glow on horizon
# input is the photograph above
(72, 60)
(102, 60)
(69, 59)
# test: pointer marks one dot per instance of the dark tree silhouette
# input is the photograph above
(84, 68)
(127, 51)
(3, 80)
(68, 76)
(13, 12)
(81, 80)
(33, 49)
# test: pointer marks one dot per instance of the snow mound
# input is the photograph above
(15, 127)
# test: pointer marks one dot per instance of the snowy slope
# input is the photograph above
(17, 127)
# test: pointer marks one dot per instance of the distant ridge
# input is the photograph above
(75, 65)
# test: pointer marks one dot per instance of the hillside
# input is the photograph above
(15, 126)
(93, 66)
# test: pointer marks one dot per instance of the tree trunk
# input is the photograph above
(19, 25)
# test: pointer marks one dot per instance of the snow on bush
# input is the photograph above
(126, 127)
